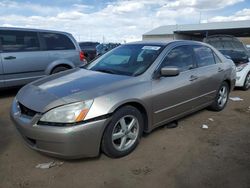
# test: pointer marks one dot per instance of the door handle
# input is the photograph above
(192, 78)
(220, 69)
(10, 57)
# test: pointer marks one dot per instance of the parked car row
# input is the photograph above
(233, 49)
(89, 50)
(105, 47)
(93, 50)
(29, 54)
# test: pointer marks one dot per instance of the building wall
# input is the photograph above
(175, 36)
(245, 40)
(186, 37)
(158, 37)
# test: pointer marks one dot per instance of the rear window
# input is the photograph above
(55, 41)
(226, 43)
(18, 41)
(204, 56)
(88, 44)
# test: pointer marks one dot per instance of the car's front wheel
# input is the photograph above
(123, 133)
(247, 82)
(221, 98)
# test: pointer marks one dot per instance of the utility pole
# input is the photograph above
(200, 18)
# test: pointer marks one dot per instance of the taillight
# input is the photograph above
(82, 56)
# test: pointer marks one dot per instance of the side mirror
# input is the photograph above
(170, 71)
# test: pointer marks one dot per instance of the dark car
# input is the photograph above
(105, 47)
(235, 50)
(89, 50)
(230, 47)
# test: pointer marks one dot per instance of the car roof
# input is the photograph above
(31, 29)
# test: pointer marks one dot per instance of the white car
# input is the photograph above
(232, 48)
(243, 76)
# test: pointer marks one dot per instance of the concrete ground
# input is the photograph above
(186, 156)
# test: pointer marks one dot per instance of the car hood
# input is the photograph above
(68, 87)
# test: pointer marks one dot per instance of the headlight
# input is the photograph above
(70, 113)
(241, 67)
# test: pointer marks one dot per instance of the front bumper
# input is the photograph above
(64, 142)
(240, 78)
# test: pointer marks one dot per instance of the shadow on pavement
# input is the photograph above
(8, 92)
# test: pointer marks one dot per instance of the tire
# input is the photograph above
(118, 140)
(221, 99)
(87, 59)
(59, 69)
(247, 82)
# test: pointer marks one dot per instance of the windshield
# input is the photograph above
(226, 43)
(131, 59)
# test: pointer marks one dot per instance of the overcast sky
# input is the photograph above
(117, 20)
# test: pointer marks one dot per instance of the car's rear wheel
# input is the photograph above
(221, 98)
(59, 69)
(123, 133)
(247, 82)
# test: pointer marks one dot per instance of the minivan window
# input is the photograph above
(204, 56)
(55, 41)
(181, 57)
(18, 41)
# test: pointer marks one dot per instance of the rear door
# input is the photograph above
(210, 73)
(22, 59)
(60, 47)
(175, 96)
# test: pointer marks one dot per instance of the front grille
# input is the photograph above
(26, 111)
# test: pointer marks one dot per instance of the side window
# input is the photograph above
(181, 57)
(19, 41)
(54, 41)
(204, 56)
(217, 59)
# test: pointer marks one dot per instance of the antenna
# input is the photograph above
(200, 18)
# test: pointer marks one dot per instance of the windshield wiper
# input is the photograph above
(106, 71)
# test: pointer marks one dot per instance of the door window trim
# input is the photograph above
(197, 62)
(158, 68)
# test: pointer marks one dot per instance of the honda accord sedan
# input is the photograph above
(108, 104)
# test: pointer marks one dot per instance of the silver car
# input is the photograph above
(29, 54)
(107, 105)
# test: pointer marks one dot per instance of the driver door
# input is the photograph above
(174, 96)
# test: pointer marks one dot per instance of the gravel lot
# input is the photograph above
(186, 156)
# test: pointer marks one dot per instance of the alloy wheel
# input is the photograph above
(125, 133)
(223, 95)
(247, 83)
